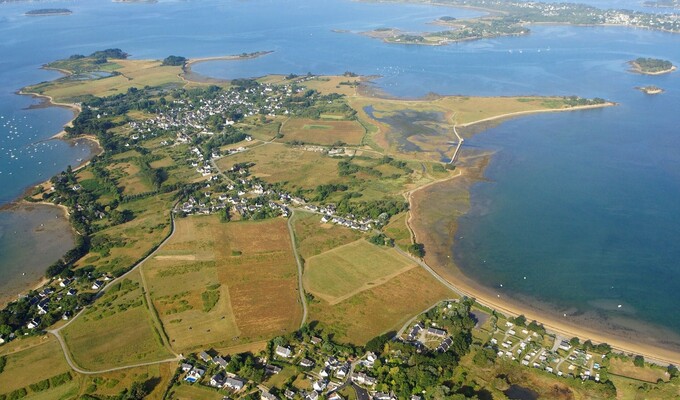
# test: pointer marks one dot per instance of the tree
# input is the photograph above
(417, 249)
(639, 361)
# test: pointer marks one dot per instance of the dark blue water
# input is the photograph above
(585, 205)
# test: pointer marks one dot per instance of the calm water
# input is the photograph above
(582, 204)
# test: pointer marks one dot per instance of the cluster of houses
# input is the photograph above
(48, 295)
(418, 335)
(349, 221)
(245, 196)
(190, 118)
(524, 346)
(221, 379)
(330, 372)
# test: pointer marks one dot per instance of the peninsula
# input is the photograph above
(239, 237)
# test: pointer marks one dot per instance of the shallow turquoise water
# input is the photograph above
(583, 204)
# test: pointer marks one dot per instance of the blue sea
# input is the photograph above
(583, 204)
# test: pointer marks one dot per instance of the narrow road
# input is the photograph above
(64, 346)
(301, 289)
(460, 144)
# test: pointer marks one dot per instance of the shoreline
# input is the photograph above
(438, 258)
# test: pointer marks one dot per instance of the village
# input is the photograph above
(308, 365)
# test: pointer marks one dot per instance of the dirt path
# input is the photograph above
(298, 261)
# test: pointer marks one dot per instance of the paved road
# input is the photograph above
(301, 289)
(64, 346)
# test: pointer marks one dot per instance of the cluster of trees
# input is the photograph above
(573, 101)
(175, 61)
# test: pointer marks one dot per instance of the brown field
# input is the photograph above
(116, 331)
(314, 238)
(343, 272)
(380, 309)
(279, 163)
(256, 290)
(33, 365)
(322, 131)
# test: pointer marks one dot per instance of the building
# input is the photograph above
(284, 352)
(234, 384)
(205, 356)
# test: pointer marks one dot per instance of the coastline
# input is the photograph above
(453, 194)
(34, 226)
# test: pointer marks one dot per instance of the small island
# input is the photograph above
(651, 66)
(42, 12)
(651, 89)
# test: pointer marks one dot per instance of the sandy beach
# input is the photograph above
(433, 220)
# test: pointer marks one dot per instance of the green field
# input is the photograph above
(116, 331)
(33, 365)
(344, 271)
(207, 296)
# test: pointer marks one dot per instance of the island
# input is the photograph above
(512, 18)
(651, 66)
(42, 12)
(262, 238)
(651, 89)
